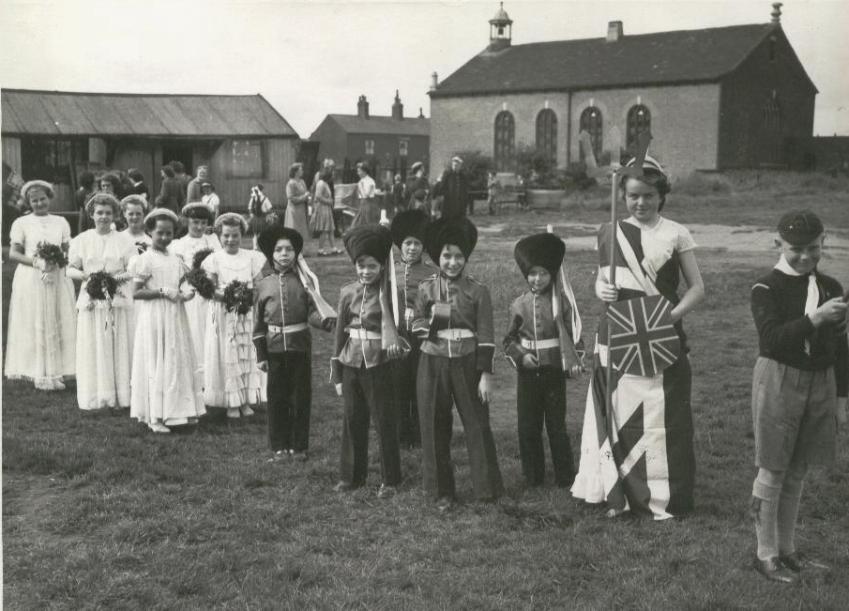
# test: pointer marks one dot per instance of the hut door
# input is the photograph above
(179, 152)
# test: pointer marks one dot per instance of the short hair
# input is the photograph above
(293, 169)
(86, 179)
(102, 199)
(113, 180)
(133, 200)
(231, 219)
(168, 171)
(35, 185)
(160, 214)
(177, 166)
(196, 210)
(653, 178)
(135, 174)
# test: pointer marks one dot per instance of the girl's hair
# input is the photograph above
(37, 185)
(151, 220)
(177, 166)
(113, 180)
(135, 174)
(231, 219)
(652, 178)
(293, 169)
(86, 180)
(133, 200)
(197, 211)
(103, 199)
(168, 171)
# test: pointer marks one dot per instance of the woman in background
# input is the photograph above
(369, 210)
(298, 198)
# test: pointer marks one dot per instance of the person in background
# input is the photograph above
(110, 183)
(181, 176)
(419, 187)
(259, 207)
(297, 200)
(194, 191)
(369, 210)
(132, 207)
(210, 199)
(42, 327)
(399, 196)
(81, 196)
(453, 189)
(327, 169)
(139, 188)
(171, 193)
(321, 221)
(492, 186)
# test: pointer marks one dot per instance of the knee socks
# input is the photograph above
(776, 496)
(788, 508)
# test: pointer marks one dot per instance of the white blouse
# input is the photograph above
(93, 252)
(31, 229)
(244, 266)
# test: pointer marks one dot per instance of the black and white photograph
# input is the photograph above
(419, 304)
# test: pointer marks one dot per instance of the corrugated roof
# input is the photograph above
(658, 58)
(60, 113)
(353, 124)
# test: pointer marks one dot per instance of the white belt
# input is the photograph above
(455, 334)
(362, 334)
(540, 344)
(301, 326)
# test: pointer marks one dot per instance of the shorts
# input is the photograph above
(794, 414)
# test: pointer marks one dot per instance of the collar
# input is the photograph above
(405, 262)
(784, 267)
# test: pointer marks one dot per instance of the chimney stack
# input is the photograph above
(614, 31)
(434, 81)
(421, 114)
(776, 12)
(397, 108)
(362, 107)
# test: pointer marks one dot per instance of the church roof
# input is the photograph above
(684, 56)
(354, 124)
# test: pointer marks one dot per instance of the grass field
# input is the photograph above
(100, 513)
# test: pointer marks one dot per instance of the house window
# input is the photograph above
(591, 122)
(639, 121)
(505, 142)
(547, 134)
(248, 159)
(369, 147)
(52, 160)
(403, 147)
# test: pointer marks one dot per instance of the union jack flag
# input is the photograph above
(643, 341)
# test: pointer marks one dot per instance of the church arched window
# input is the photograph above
(547, 134)
(591, 122)
(639, 120)
(505, 142)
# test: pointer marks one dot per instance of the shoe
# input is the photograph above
(278, 456)
(343, 486)
(300, 456)
(233, 412)
(444, 504)
(772, 569)
(158, 427)
(796, 562)
(247, 411)
(386, 492)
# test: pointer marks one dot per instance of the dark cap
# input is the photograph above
(268, 237)
(409, 224)
(800, 227)
(543, 249)
(459, 232)
(371, 240)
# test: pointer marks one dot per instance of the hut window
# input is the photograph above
(369, 147)
(52, 160)
(639, 121)
(247, 159)
(403, 147)
(547, 134)
(592, 123)
(504, 148)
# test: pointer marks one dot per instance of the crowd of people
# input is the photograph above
(170, 327)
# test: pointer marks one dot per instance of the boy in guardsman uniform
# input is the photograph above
(454, 316)
(360, 368)
(408, 233)
(533, 345)
(283, 343)
(799, 388)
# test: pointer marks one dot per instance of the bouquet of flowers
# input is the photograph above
(238, 297)
(197, 278)
(51, 254)
(101, 286)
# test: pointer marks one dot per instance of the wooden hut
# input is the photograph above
(55, 135)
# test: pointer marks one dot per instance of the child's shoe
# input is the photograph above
(158, 427)
(247, 411)
(796, 562)
(772, 569)
(233, 412)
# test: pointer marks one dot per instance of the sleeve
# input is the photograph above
(421, 318)
(290, 194)
(257, 263)
(210, 264)
(139, 267)
(266, 205)
(512, 347)
(777, 335)
(485, 331)
(340, 339)
(162, 194)
(685, 241)
(16, 232)
(260, 329)
(66, 230)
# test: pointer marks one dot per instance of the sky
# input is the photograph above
(310, 59)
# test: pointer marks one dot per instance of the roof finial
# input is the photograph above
(776, 12)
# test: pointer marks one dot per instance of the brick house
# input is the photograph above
(390, 143)
(714, 99)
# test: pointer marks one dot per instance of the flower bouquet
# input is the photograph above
(51, 255)
(102, 286)
(197, 278)
(238, 297)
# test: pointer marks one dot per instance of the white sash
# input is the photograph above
(633, 265)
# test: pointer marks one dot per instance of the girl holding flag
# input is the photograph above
(637, 441)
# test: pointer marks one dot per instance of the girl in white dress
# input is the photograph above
(196, 240)
(104, 340)
(42, 326)
(166, 383)
(231, 377)
(133, 207)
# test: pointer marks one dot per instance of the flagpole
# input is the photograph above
(608, 370)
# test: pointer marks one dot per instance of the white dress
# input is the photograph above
(42, 325)
(142, 242)
(166, 382)
(197, 308)
(104, 338)
(231, 377)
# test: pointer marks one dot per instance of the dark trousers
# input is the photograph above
(440, 382)
(541, 400)
(289, 390)
(368, 393)
(404, 381)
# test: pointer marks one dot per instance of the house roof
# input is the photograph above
(354, 124)
(59, 113)
(684, 56)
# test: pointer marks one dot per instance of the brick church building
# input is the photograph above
(717, 98)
